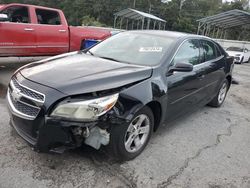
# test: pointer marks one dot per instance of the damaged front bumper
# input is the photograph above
(29, 116)
(55, 135)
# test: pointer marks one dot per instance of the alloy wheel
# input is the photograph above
(222, 93)
(137, 133)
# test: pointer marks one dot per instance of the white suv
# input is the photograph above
(241, 55)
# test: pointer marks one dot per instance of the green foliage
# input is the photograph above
(90, 21)
(181, 15)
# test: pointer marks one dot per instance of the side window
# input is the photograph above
(218, 50)
(209, 50)
(17, 14)
(48, 17)
(189, 52)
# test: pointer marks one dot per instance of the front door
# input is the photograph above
(184, 87)
(17, 36)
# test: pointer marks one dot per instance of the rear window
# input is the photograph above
(218, 51)
(209, 50)
(48, 17)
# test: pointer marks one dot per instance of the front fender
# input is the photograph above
(134, 98)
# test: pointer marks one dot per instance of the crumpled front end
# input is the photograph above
(27, 109)
(30, 116)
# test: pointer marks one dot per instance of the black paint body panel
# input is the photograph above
(79, 76)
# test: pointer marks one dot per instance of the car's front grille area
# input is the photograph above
(28, 92)
(24, 108)
(24, 102)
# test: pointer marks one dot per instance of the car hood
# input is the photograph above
(233, 53)
(78, 73)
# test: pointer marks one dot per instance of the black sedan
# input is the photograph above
(117, 93)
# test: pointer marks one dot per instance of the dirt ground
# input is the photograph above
(209, 148)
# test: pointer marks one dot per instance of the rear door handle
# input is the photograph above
(62, 30)
(28, 29)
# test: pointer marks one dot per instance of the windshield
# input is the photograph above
(235, 49)
(133, 48)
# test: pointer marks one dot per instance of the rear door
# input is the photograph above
(52, 33)
(184, 88)
(17, 36)
(213, 62)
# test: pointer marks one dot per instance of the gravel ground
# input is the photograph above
(208, 148)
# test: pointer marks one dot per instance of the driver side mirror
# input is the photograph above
(4, 18)
(181, 67)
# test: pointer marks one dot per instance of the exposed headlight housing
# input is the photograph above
(238, 55)
(88, 110)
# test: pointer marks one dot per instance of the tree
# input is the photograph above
(90, 21)
(181, 15)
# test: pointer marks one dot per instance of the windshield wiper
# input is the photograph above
(110, 58)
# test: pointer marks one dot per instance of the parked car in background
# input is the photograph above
(140, 80)
(241, 55)
(28, 30)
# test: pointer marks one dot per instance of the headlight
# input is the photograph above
(88, 110)
(238, 55)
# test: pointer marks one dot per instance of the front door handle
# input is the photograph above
(28, 29)
(62, 30)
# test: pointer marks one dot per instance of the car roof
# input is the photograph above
(172, 34)
(161, 33)
(35, 6)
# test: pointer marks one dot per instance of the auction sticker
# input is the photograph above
(150, 49)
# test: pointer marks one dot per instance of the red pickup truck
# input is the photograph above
(28, 30)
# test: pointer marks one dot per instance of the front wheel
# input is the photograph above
(221, 95)
(128, 141)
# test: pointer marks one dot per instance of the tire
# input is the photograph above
(122, 134)
(241, 62)
(221, 95)
(248, 60)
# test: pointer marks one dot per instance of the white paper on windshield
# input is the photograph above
(150, 49)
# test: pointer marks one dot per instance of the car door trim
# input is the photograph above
(12, 47)
(52, 46)
(193, 93)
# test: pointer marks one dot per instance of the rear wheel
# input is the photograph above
(221, 95)
(241, 62)
(128, 141)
